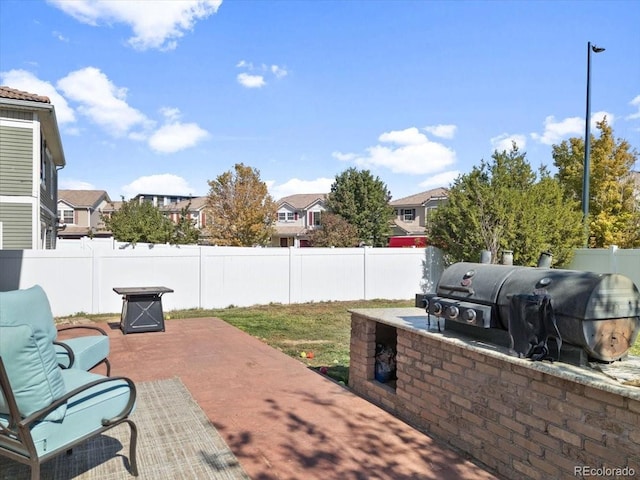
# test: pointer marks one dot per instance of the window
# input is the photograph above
(65, 216)
(285, 216)
(315, 218)
(408, 214)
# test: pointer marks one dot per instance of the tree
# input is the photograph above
(613, 211)
(363, 201)
(185, 231)
(242, 211)
(139, 222)
(334, 231)
(504, 205)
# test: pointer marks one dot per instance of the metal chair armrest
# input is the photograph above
(86, 327)
(72, 357)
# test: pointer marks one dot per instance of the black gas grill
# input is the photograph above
(540, 308)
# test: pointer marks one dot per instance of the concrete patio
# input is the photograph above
(281, 419)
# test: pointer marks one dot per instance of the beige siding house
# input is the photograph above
(413, 215)
(195, 208)
(297, 216)
(30, 156)
(80, 213)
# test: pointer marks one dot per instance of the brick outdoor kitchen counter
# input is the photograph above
(520, 418)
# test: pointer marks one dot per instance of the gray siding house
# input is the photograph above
(30, 156)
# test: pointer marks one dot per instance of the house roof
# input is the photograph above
(8, 92)
(409, 228)
(197, 203)
(421, 198)
(301, 201)
(83, 198)
(12, 98)
(113, 206)
(290, 231)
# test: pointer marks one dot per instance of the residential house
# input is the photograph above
(80, 213)
(195, 206)
(161, 200)
(298, 215)
(413, 214)
(30, 156)
(195, 209)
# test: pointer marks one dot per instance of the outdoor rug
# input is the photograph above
(175, 441)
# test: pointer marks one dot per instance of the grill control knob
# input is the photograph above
(469, 315)
(437, 308)
(452, 312)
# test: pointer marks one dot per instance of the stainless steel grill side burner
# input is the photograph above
(541, 308)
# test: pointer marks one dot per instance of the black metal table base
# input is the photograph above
(142, 309)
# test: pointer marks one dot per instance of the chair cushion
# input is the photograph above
(88, 351)
(84, 411)
(33, 371)
(29, 306)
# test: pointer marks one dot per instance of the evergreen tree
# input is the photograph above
(363, 201)
(504, 205)
(137, 221)
(185, 231)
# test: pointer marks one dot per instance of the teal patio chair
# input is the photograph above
(46, 410)
(31, 306)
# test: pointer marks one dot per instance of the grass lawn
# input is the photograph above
(317, 334)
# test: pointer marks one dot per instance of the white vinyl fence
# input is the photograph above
(608, 260)
(82, 280)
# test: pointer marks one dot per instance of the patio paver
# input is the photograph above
(281, 419)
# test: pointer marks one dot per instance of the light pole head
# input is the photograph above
(597, 49)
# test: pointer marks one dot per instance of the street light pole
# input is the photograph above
(587, 144)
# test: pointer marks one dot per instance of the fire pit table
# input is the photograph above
(142, 309)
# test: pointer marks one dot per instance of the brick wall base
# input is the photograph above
(521, 419)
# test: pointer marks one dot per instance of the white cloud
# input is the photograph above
(556, 131)
(176, 136)
(102, 102)
(344, 157)
(444, 179)
(278, 71)
(442, 131)
(504, 142)
(165, 183)
(251, 81)
(28, 82)
(411, 152)
(634, 103)
(155, 24)
(295, 185)
(75, 184)
(256, 77)
(60, 37)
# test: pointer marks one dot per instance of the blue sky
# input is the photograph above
(162, 96)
